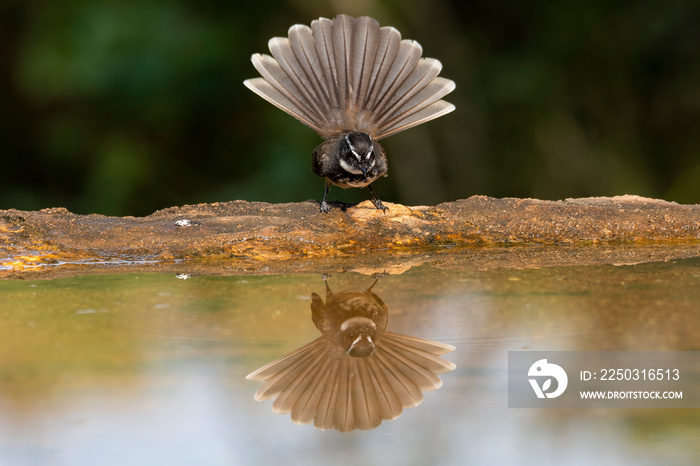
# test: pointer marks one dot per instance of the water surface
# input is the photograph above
(150, 368)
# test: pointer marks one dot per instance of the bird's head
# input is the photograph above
(358, 336)
(357, 153)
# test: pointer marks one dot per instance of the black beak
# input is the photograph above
(364, 170)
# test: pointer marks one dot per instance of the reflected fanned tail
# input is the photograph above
(321, 383)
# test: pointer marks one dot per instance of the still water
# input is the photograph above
(149, 369)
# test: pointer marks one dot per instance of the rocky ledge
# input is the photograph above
(258, 236)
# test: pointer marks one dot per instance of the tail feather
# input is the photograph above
(280, 373)
(344, 419)
(426, 114)
(341, 34)
(405, 389)
(404, 63)
(417, 372)
(276, 87)
(417, 83)
(363, 51)
(389, 43)
(420, 357)
(389, 402)
(298, 75)
(321, 383)
(351, 74)
(321, 31)
(300, 385)
(419, 344)
(325, 411)
(305, 405)
(301, 40)
(287, 378)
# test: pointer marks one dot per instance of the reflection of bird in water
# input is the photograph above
(356, 375)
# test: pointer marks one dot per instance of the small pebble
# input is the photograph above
(187, 223)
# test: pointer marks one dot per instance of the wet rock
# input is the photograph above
(256, 236)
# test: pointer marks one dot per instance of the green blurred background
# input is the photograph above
(125, 107)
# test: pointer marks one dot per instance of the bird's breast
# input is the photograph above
(352, 182)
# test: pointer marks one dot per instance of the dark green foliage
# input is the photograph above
(125, 107)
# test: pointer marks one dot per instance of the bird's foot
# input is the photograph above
(378, 204)
(325, 207)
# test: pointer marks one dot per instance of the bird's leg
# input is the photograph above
(375, 200)
(369, 290)
(329, 293)
(324, 205)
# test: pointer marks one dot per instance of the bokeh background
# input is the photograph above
(125, 107)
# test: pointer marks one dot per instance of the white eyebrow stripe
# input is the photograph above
(357, 320)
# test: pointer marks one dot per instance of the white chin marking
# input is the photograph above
(359, 339)
(346, 166)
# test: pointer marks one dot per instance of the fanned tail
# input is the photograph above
(320, 383)
(350, 74)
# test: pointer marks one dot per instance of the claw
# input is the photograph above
(378, 204)
(375, 200)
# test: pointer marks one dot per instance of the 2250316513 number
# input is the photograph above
(639, 374)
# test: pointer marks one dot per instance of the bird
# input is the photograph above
(356, 374)
(354, 83)
(352, 320)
